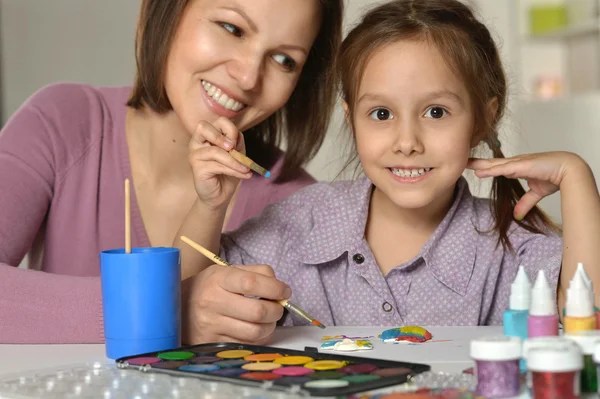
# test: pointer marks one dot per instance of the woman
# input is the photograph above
(263, 65)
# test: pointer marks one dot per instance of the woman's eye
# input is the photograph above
(381, 114)
(234, 30)
(436, 112)
(285, 61)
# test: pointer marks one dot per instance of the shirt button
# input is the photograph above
(358, 258)
(387, 307)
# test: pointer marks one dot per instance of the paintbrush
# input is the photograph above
(127, 218)
(283, 302)
(243, 159)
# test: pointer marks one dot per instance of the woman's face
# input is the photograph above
(239, 59)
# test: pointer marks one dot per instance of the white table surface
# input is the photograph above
(450, 356)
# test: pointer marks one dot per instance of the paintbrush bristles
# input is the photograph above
(127, 218)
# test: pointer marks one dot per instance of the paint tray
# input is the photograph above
(303, 373)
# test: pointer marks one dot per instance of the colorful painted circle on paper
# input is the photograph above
(177, 355)
(234, 354)
(293, 360)
(261, 366)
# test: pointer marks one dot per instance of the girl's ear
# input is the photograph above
(346, 110)
(490, 114)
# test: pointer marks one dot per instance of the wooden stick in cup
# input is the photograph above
(283, 302)
(127, 218)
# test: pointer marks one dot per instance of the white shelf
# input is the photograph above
(591, 27)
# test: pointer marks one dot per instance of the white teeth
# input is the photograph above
(410, 172)
(222, 98)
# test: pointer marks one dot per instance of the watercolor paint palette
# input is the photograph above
(307, 372)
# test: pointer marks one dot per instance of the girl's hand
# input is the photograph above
(216, 173)
(544, 173)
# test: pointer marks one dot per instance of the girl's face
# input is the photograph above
(413, 125)
(238, 59)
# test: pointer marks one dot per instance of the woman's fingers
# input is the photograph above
(244, 280)
(215, 154)
(207, 134)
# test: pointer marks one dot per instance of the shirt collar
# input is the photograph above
(339, 227)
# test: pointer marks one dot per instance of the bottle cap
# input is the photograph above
(579, 300)
(542, 299)
(587, 340)
(542, 342)
(557, 359)
(496, 348)
(586, 279)
(520, 291)
(597, 354)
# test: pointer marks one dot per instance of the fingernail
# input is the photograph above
(228, 145)
(287, 293)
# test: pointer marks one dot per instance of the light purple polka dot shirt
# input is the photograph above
(314, 240)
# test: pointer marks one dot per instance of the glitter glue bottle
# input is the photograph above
(555, 372)
(587, 341)
(543, 318)
(544, 342)
(497, 366)
(580, 307)
(515, 318)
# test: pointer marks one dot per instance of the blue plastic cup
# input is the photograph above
(141, 300)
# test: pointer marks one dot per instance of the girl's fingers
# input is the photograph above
(215, 154)
(481, 163)
(526, 203)
(511, 169)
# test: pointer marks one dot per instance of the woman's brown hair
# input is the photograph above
(470, 51)
(301, 124)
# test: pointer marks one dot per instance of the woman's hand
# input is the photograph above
(544, 173)
(216, 173)
(217, 307)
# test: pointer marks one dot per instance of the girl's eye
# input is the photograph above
(285, 61)
(234, 30)
(381, 114)
(436, 113)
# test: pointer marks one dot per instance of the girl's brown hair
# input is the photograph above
(470, 51)
(301, 124)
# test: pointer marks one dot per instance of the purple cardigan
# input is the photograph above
(63, 160)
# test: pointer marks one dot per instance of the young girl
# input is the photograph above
(423, 86)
